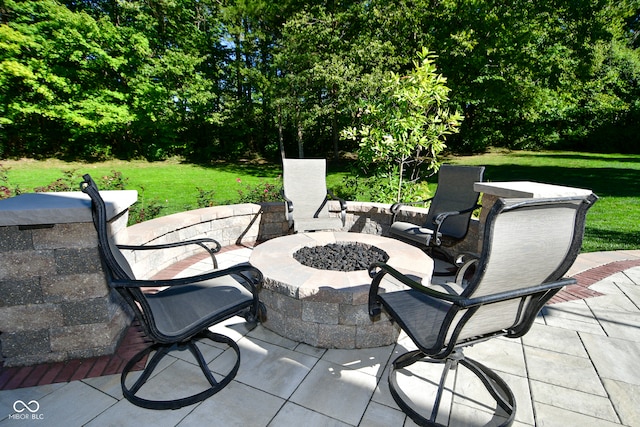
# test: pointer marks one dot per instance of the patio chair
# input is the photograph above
(306, 196)
(528, 245)
(449, 212)
(178, 313)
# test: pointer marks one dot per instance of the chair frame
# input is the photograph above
(290, 205)
(447, 348)
(439, 219)
(131, 290)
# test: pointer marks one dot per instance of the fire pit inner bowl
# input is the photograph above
(340, 256)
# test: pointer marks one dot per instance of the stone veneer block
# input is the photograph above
(334, 303)
(55, 303)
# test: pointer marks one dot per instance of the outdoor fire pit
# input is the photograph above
(324, 303)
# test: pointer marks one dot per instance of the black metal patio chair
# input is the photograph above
(180, 311)
(528, 246)
(449, 214)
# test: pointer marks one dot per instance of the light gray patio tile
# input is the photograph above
(367, 360)
(633, 274)
(295, 415)
(74, 404)
(382, 394)
(125, 413)
(264, 334)
(270, 368)
(614, 358)
(555, 339)
(236, 405)
(563, 370)
(9, 397)
(626, 400)
(572, 315)
(336, 391)
(611, 303)
(378, 415)
(502, 354)
(464, 415)
(608, 286)
(206, 347)
(471, 394)
(234, 328)
(618, 316)
(571, 310)
(310, 350)
(632, 292)
(587, 404)
(417, 384)
(520, 387)
(552, 416)
(109, 384)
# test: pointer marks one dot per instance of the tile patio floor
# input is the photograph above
(578, 366)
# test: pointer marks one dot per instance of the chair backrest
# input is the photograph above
(526, 243)
(116, 265)
(304, 183)
(455, 193)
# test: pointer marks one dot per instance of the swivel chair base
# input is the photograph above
(495, 385)
(161, 351)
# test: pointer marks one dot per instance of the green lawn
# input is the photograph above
(613, 223)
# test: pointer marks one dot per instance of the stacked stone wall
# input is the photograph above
(54, 301)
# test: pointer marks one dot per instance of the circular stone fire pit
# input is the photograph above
(328, 308)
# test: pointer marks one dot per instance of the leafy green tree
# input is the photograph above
(324, 70)
(407, 124)
(60, 74)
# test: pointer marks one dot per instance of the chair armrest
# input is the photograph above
(288, 208)
(396, 207)
(199, 242)
(518, 293)
(343, 206)
(251, 275)
(442, 217)
(288, 201)
(377, 270)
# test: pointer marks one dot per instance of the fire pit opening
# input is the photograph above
(340, 256)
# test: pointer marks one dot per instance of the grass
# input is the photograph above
(172, 184)
(612, 224)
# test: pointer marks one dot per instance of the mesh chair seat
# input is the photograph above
(177, 310)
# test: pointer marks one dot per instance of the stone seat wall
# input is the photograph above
(246, 224)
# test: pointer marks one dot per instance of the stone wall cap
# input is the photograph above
(60, 207)
(528, 189)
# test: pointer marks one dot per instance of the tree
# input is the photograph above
(60, 76)
(408, 122)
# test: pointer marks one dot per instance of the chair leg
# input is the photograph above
(496, 387)
(161, 351)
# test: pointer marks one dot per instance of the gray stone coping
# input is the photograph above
(60, 207)
(527, 189)
(274, 258)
